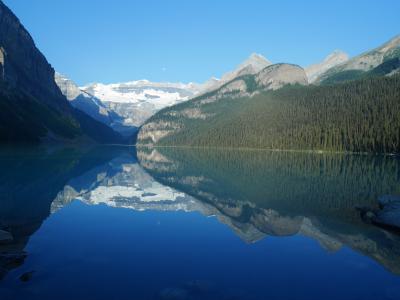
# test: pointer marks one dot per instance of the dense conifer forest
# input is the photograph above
(358, 116)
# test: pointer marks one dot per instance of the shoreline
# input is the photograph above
(270, 150)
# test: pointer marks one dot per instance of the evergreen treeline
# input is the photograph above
(357, 116)
(23, 119)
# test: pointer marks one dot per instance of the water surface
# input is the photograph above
(111, 222)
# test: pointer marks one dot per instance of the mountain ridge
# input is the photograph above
(135, 101)
(92, 106)
(335, 58)
(359, 65)
(33, 109)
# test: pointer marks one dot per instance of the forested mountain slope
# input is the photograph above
(359, 116)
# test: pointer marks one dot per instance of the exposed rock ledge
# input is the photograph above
(152, 132)
(279, 75)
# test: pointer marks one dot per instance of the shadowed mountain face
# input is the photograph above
(92, 106)
(260, 193)
(32, 107)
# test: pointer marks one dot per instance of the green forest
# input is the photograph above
(356, 116)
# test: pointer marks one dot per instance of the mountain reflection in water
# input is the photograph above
(255, 193)
(260, 193)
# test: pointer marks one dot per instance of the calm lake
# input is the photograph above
(126, 223)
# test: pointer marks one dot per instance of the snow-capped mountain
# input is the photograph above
(335, 58)
(129, 104)
(91, 105)
(136, 101)
(123, 183)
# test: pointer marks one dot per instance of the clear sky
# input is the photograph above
(181, 40)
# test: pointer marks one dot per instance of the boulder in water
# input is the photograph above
(389, 213)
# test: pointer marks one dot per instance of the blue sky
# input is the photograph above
(120, 40)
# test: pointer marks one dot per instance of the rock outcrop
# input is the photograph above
(335, 58)
(252, 65)
(69, 89)
(279, 75)
(389, 214)
(364, 62)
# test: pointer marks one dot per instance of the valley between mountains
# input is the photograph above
(340, 104)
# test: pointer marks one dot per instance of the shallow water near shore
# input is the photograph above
(117, 222)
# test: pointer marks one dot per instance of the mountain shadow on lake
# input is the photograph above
(260, 193)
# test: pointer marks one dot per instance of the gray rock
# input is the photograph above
(389, 214)
(335, 58)
(252, 65)
(365, 61)
(276, 76)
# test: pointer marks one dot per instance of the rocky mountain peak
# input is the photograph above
(393, 43)
(256, 61)
(366, 61)
(337, 57)
(67, 86)
(252, 65)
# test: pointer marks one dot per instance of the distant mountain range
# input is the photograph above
(136, 101)
(93, 106)
(126, 106)
(350, 105)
